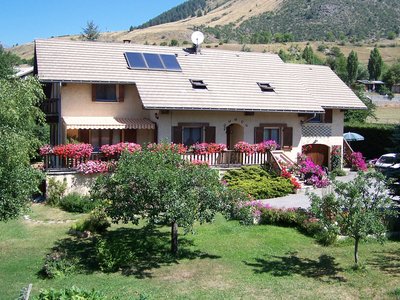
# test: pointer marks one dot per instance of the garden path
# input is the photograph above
(301, 199)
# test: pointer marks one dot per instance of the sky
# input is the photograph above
(22, 21)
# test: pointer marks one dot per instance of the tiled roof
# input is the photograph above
(231, 77)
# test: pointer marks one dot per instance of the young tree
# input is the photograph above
(162, 188)
(352, 67)
(91, 32)
(375, 64)
(356, 209)
(308, 55)
(20, 117)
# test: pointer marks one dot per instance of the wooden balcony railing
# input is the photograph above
(225, 160)
(50, 106)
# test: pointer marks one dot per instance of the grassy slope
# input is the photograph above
(222, 261)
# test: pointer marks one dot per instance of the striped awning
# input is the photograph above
(107, 123)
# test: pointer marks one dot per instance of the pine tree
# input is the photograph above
(375, 64)
(91, 32)
(352, 67)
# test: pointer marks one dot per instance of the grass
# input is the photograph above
(387, 115)
(223, 260)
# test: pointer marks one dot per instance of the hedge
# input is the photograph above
(377, 138)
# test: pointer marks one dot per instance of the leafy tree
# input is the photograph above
(392, 75)
(338, 63)
(91, 32)
(375, 64)
(20, 118)
(361, 115)
(8, 61)
(356, 209)
(352, 67)
(163, 189)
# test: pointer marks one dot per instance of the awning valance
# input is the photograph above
(107, 123)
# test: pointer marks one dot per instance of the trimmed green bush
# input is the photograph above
(257, 182)
(95, 222)
(55, 191)
(75, 202)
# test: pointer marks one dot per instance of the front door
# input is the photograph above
(319, 154)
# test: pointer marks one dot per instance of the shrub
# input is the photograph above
(55, 191)
(336, 157)
(75, 202)
(338, 172)
(357, 161)
(257, 182)
(95, 222)
(73, 293)
(313, 174)
(57, 265)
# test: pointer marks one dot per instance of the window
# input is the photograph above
(198, 84)
(272, 134)
(265, 87)
(192, 135)
(317, 119)
(106, 93)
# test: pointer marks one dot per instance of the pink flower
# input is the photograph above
(45, 150)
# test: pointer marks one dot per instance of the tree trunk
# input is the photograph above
(356, 250)
(174, 238)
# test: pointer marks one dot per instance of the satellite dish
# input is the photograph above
(197, 38)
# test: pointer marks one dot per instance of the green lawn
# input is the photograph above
(223, 260)
(387, 115)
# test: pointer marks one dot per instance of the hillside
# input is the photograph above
(273, 24)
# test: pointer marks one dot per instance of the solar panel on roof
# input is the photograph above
(135, 60)
(170, 62)
(152, 61)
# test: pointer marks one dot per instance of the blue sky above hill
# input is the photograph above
(22, 21)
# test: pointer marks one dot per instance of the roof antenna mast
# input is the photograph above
(197, 39)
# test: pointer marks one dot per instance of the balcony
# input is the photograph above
(50, 107)
(316, 130)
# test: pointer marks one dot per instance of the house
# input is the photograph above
(372, 85)
(103, 93)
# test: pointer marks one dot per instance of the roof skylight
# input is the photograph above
(198, 84)
(266, 87)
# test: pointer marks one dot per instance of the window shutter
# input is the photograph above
(177, 134)
(121, 93)
(287, 137)
(328, 115)
(83, 136)
(210, 134)
(258, 134)
(93, 92)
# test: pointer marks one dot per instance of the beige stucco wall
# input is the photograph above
(76, 100)
(223, 119)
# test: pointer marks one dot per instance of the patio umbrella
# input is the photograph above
(352, 136)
